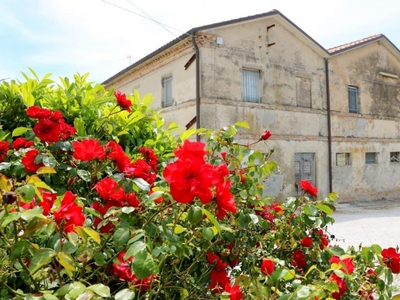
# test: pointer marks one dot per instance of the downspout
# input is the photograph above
(197, 51)
(328, 109)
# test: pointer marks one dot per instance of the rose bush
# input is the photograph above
(101, 201)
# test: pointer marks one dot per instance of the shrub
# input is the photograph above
(101, 201)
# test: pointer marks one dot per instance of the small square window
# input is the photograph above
(251, 85)
(395, 157)
(167, 91)
(371, 158)
(343, 159)
(353, 99)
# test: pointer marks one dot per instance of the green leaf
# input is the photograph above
(85, 175)
(10, 218)
(336, 250)
(4, 165)
(100, 289)
(310, 210)
(19, 248)
(49, 161)
(121, 236)
(376, 248)
(93, 234)
(183, 293)
(49, 297)
(187, 134)
(207, 233)
(27, 192)
(31, 213)
(143, 264)
(125, 294)
(242, 124)
(303, 292)
(212, 219)
(46, 170)
(195, 214)
(179, 229)
(135, 248)
(67, 262)
(76, 289)
(325, 208)
(41, 258)
(279, 274)
(142, 184)
(20, 131)
(79, 125)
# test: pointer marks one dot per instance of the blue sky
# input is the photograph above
(64, 37)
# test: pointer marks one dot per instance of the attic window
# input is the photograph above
(190, 61)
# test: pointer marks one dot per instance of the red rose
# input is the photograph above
(47, 130)
(29, 161)
(307, 187)
(267, 266)
(341, 283)
(69, 214)
(234, 292)
(115, 153)
(36, 112)
(299, 258)
(108, 190)
(190, 176)
(225, 199)
(122, 101)
(21, 142)
(88, 149)
(306, 242)
(346, 264)
(122, 269)
(3, 150)
(46, 204)
(102, 209)
(266, 135)
(150, 157)
(391, 259)
(140, 169)
(219, 279)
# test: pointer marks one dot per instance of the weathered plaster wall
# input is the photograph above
(284, 59)
(375, 129)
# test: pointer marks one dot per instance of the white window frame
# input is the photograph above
(167, 91)
(251, 85)
(353, 96)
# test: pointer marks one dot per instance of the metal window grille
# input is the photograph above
(353, 99)
(251, 85)
(167, 91)
(343, 159)
(394, 156)
(371, 158)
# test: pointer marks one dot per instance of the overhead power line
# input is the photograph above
(146, 16)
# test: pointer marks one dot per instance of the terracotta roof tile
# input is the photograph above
(353, 44)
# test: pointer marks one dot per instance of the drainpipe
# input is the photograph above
(328, 108)
(197, 51)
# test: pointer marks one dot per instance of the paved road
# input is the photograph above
(367, 223)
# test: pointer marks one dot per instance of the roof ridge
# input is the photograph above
(354, 43)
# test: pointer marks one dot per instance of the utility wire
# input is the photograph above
(148, 17)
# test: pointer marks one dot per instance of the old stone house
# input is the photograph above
(333, 112)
